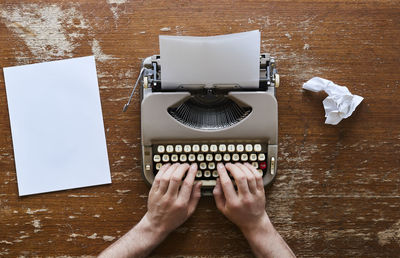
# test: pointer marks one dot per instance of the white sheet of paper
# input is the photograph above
(224, 59)
(57, 125)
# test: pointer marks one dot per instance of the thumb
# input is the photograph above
(194, 198)
(219, 196)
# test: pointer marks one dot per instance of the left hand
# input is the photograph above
(171, 200)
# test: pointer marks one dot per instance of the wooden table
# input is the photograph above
(337, 193)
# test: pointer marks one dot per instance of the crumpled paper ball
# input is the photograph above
(339, 104)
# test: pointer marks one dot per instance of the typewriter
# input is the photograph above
(208, 125)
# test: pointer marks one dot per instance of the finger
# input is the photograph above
(259, 179)
(194, 198)
(187, 185)
(240, 178)
(157, 179)
(251, 179)
(226, 183)
(219, 196)
(176, 179)
(164, 180)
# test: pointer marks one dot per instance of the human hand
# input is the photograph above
(171, 201)
(245, 207)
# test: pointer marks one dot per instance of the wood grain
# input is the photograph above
(337, 193)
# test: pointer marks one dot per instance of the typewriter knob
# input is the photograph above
(277, 80)
(145, 82)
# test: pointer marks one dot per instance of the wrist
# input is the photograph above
(261, 227)
(154, 226)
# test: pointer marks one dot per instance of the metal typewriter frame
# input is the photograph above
(162, 128)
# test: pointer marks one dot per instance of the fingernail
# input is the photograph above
(193, 166)
(220, 165)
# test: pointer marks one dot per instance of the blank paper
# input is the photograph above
(57, 125)
(224, 59)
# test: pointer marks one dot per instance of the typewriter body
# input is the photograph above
(222, 123)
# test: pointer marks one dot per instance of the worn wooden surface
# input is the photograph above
(337, 193)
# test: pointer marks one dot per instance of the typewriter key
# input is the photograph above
(249, 147)
(156, 158)
(160, 148)
(196, 148)
(257, 147)
(165, 158)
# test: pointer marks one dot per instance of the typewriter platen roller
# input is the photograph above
(207, 125)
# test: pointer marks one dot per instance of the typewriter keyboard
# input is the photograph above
(207, 156)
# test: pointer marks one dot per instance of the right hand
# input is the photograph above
(245, 207)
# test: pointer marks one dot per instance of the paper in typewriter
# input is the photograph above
(223, 60)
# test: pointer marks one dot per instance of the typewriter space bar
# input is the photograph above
(207, 182)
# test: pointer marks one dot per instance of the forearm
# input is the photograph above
(138, 242)
(265, 241)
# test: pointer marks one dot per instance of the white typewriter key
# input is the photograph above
(187, 148)
(158, 166)
(253, 157)
(207, 173)
(218, 157)
(254, 164)
(192, 157)
(211, 165)
(227, 157)
(203, 165)
(231, 148)
(213, 148)
(156, 158)
(215, 173)
(170, 148)
(204, 148)
(235, 157)
(260, 171)
(196, 148)
(222, 147)
(208, 182)
(178, 148)
(183, 158)
(160, 148)
(244, 157)
(199, 173)
(165, 158)
(209, 157)
(249, 147)
(200, 157)
(261, 157)
(240, 148)
(174, 158)
(257, 147)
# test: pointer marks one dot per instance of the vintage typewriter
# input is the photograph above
(208, 125)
